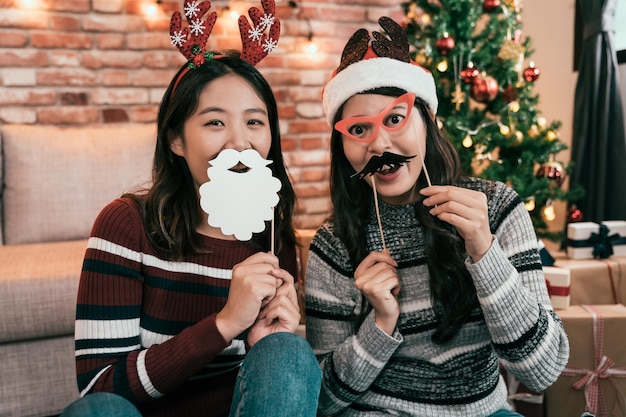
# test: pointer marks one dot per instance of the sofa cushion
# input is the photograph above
(38, 377)
(38, 287)
(57, 179)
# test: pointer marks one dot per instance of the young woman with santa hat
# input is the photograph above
(423, 282)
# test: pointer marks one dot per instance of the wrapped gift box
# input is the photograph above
(596, 369)
(586, 238)
(595, 281)
(558, 282)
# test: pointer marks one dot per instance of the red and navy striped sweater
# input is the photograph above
(145, 326)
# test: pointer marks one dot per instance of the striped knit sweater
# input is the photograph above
(369, 373)
(145, 326)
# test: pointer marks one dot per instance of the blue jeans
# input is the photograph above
(279, 377)
(101, 404)
(505, 413)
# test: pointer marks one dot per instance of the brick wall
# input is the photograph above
(84, 62)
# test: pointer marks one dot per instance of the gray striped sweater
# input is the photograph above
(369, 373)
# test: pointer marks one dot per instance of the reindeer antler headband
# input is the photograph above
(384, 63)
(257, 40)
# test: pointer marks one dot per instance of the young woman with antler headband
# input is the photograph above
(423, 281)
(182, 312)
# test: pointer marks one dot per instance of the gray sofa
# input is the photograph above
(54, 181)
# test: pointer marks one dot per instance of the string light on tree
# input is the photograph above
(442, 66)
(549, 214)
(541, 122)
(468, 141)
(514, 106)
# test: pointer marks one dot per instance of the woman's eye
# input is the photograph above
(394, 120)
(255, 122)
(357, 130)
(214, 123)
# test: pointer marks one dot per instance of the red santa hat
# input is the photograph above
(384, 63)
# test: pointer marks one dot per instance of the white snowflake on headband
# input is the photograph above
(192, 9)
(197, 27)
(267, 20)
(255, 33)
(269, 45)
(178, 38)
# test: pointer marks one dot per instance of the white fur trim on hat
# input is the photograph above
(378, 72)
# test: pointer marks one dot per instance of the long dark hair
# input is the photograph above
(170, 207)
(452, 291)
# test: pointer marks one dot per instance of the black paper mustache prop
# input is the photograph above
(377, 163)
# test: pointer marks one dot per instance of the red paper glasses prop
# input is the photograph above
(366, 128)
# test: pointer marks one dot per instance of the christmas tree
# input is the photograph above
(484, 76)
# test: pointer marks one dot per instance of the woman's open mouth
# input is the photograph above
(388, 173)
(239, 168)
(388, 170)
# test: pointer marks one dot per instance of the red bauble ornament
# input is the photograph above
(484, 89)
(553, 171)
(490, 5)
(445, 44)
(574, 214)
(531, 73)
(469, 74)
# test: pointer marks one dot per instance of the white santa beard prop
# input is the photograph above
(239, 203)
